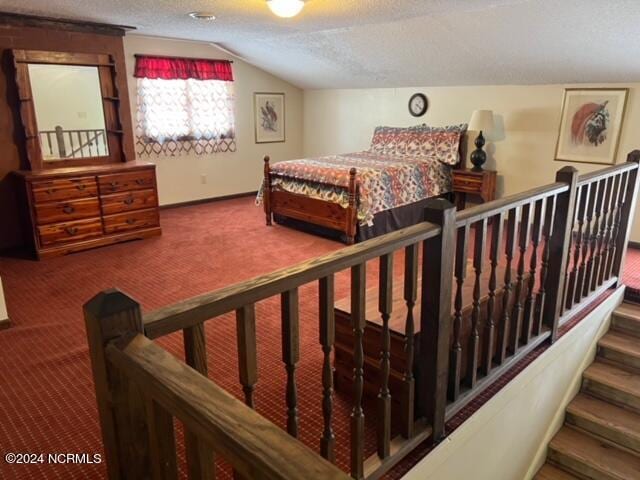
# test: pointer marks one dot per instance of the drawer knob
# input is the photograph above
(71, 230)
(139, 181)
(81, 187)
(114, 185)
(128, 200)
(68, 209)
(50, 191)
(131, 221)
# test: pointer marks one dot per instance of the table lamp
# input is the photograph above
(481, 121)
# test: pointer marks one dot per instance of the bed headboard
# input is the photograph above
(462, 151)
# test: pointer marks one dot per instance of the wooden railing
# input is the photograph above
(61, 143)
(534, 259)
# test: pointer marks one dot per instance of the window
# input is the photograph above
(184, 106)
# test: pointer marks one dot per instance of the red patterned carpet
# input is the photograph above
(47, 403)
(632, 273)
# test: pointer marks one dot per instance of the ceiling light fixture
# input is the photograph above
(286, 8)
(209, 17)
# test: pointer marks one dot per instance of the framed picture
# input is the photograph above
(591, 124)
(269, 117)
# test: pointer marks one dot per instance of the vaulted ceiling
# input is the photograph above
(396, 43)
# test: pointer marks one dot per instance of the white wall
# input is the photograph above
(179, 177)
(522, 149)
(507, 438)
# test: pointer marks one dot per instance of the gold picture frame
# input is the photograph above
(269, 117)
(591, 125)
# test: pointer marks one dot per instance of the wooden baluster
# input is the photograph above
(291, 354)
(473, 356)
(109, 315)
(327, 339)
(567, 269)
(89, 141)
(162, 441)
(559, 243)
(596, 239)
(455, 368)
(523, 243)
(497, 223)
(529, 304)
(581, 282)
(626, 220)
(435, 314)
(200, 458)
(572, 287)
(49, 143)
(385, 302)
(600, 256)
(407, 410)
(603, 273)
(616, 223)
(71, 144)
(80, 145)
(598, 189)
(505, 321)
(247, 351)
(358, 304)
(547, 231)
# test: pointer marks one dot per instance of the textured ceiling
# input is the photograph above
(396, 43)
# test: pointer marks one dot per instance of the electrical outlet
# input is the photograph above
(203, 179)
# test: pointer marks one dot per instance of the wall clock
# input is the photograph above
(418, 104)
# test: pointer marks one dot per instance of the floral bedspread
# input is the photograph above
(384, 181)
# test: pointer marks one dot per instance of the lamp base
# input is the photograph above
(478, 156)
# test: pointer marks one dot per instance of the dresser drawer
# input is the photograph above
(127, 201)
(122, 182)
(70, 231)
(64, 189)
(135, 220)
(55, 212)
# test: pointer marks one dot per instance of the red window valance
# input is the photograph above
(171, 68)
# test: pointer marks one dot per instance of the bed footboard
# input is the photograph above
(311, 210)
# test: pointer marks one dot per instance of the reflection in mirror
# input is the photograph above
(69, 114)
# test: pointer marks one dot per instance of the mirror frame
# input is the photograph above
(110, 103)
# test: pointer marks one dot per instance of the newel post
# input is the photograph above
(111, 315)
(559, 243)
(435, 317)
(626, 219)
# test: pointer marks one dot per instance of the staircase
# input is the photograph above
(600, 439)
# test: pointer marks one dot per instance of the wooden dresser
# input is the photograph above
(77, 208)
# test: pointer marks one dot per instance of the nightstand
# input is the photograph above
(482, 184)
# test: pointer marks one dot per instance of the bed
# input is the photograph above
(364, 194)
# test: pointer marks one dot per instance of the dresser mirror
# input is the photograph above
(69, 108)
(67, 100)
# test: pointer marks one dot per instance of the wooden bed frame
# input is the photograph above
(321, 212)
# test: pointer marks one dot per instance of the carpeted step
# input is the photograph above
(626, 318)
(612, 383)
(551, 472)
(591, 458)
(620, 347)
(605, 420)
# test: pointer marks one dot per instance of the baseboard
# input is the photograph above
(6, 323)
(633, 244)
(209, 200)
